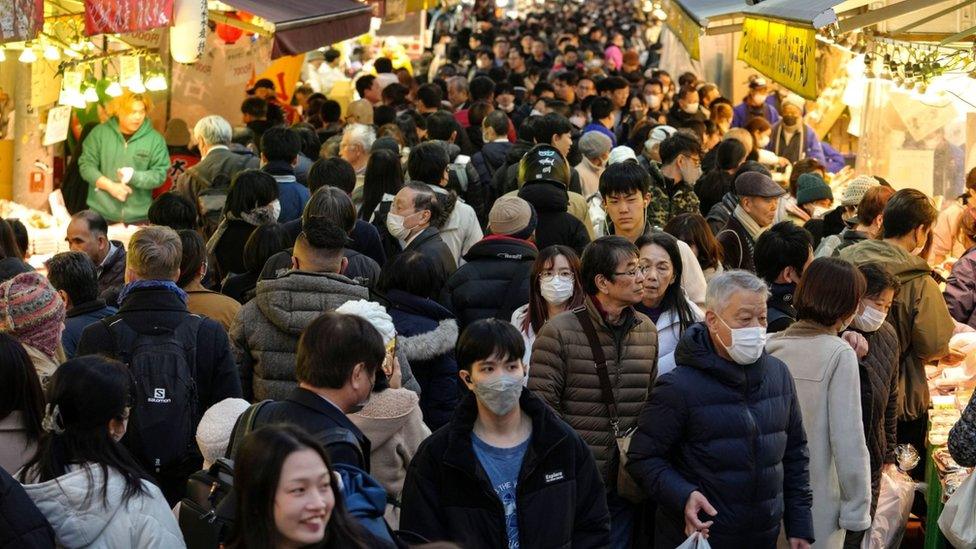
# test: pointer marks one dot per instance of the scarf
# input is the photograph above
(748, 222)
(257, 216)
(152, 284)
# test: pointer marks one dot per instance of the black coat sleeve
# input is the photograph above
(95, 339)
(580, 237)
(215, 365)
(591, 527)
(797, 496)
(420, 501)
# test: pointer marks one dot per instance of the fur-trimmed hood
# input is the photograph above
(434, 343)
(385, 414)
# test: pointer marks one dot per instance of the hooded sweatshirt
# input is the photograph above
(144, 520)
(919, 315)
(393, 423)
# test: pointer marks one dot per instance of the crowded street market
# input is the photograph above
(487, 274)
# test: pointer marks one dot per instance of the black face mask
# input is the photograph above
(790, 120)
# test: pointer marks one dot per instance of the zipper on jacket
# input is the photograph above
(489, 491)
(754, 431)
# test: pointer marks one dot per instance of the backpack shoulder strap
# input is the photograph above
(331, 436)
(742, 251)
(242, 427)
(601, 365)
(123, 336)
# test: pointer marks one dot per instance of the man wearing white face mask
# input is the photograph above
(409, 224)
(687, 107)
(726, 421)
(505, 472)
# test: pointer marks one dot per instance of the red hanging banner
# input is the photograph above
(124, 16)
(20, 19)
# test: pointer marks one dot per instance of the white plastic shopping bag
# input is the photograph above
(695, 541)
(957, 520)
(894, 505)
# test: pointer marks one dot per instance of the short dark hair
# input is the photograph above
(20, 234)
(830, 290)
(878, 279)
(194, 255)
(335, 172)
(783, 245)
(678, 144)
(323, 234)
(624, 178)
(96, 223)
(907, 210)
(280, 144)
(729, 154)
(550, 126)
(873, 203)
(481, 88)
(364, 83)
(383, 65)
(411, 272)
(601, 257)
(331, 111)
(543, 87)
(332, 54)
(255, 106)
(331, 347)
(395, 94)
(173, 210)
(488, 338)
(600, 108)
(441, 125)
(332, 204)
(685, 90)
(430, 95)
(497, 120)
(427, 162)
(265, 241)
(74, 273)
(250, 189)
(611, 84)
(568, 77)
(477, 113)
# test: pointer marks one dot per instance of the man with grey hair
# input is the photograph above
(213, 134)
(169, 350)
(357, 140)
(720, 444)
(457, 93)
(595, 148)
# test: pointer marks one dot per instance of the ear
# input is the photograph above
(453, 136)
(343, 264)
(264, 159)
(294, 263)
(465, 377)
(647, 198)
(354, 376)
(601, 283)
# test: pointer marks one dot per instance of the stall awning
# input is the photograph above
(703, 10)
(814, 13)
(304, 25)
(687, 18)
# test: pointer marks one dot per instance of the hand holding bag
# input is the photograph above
(957, 519)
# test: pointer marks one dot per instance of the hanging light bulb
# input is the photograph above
(114, 89)
(136, 86)
(68, 52)
(28, 55)
(156, 82)
(91, 94)
(51, 53)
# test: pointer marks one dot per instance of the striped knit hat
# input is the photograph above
(32, 311)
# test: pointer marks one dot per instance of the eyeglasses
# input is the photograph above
(633, 274)
(548, 277)
(696, 159)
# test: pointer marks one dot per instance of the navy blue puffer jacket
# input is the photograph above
(494, 281)
(732, 432)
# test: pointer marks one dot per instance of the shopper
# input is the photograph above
(72, 274)
(544, 177)
(89, 487)
(693, 230)
(123, 160)
(506, 471)
(279, 155)
(713, 185)
(758, 197)
(252, 201)
(265, 241)
(865, 225)
(563, 362)
(88, 232)
(21, 405)
(382, 180)
(726, 395)
(32, 311)
(674, 194)
(944, 243)
(193, 268)
(962, 280)
(825, 370)
(411, 225)
(213, 135)
(782, 255)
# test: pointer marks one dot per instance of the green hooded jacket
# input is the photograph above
(105, 151)
(919, 315)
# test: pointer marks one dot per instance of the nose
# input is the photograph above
(640, 276)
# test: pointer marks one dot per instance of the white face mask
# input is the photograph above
(578, 121)
(690, 174)
(690, 108)
(819, 212)
(763, 142)
(653, 101)
(747, 343)
(848, 322)
(394, 224)
(556, 291)
(870, 320)
(919, 249)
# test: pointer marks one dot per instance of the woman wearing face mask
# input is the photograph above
(505, 472)
(791, 138)
(554, 287)
(287, 495)
(761, 131)
(755, 105)
(252, 201)
(825, 368)
(664, 301)
(878, 372)
(87, 485)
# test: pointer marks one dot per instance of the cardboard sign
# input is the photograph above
(56, 129)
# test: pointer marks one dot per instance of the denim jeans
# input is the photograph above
(621, 521)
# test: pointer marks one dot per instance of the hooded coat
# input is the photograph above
(494, 280)
(489, 160)
(919, 315)
(556, 224)
(144, 520)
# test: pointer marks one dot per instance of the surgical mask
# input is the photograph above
(394, 224)
(790, 121)
(690, 108)
(506, 107)
(653, 101)
(848, 322)
(759, 98)
(870, 320)
(763, 141)
(747, 343)
(536, 112)
(500, 394)
(919, 249)
(578, 121)
(556, 291)
(690, 174)
(819, 212)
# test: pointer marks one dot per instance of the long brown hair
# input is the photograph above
(538, 311)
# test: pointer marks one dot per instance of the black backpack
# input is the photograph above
(162, 361)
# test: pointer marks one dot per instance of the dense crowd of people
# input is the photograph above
(532, 291)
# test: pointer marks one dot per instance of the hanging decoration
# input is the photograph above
(20, 19)
(229, 33)
(188, 35)
(125, 16)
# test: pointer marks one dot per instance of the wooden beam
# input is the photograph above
(874, 17)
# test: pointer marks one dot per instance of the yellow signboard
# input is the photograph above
(684, 27)
(784, 53)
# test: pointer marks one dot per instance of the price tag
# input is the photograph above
(129, 70)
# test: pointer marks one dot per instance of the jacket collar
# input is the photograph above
(152, 299)
(502, 247)
(417, 305)
(427, 234)
(695, 350)
(85, 308)
(314, 402)
(599, 316)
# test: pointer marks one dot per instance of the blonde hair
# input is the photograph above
(122, 104)
(155, 253)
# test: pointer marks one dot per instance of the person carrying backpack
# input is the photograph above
(213, 136)
(181, 362)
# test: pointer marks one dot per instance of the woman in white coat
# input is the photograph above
(665, 302)
(87, 485)
(825, 370)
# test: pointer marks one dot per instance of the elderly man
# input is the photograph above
(88, 232)
(457, 92)
(758, 199)
(212, 135)
(721, 436)
(357, 140)
(606, 330)
(595, 148)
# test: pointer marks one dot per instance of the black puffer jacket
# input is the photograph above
(493, 282)
(22, 525)
(879, 399)
(733, 433)
(490, 159)
(447, 495)
(556, 224)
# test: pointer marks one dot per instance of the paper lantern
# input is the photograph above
(188, 35)
(228, 33)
